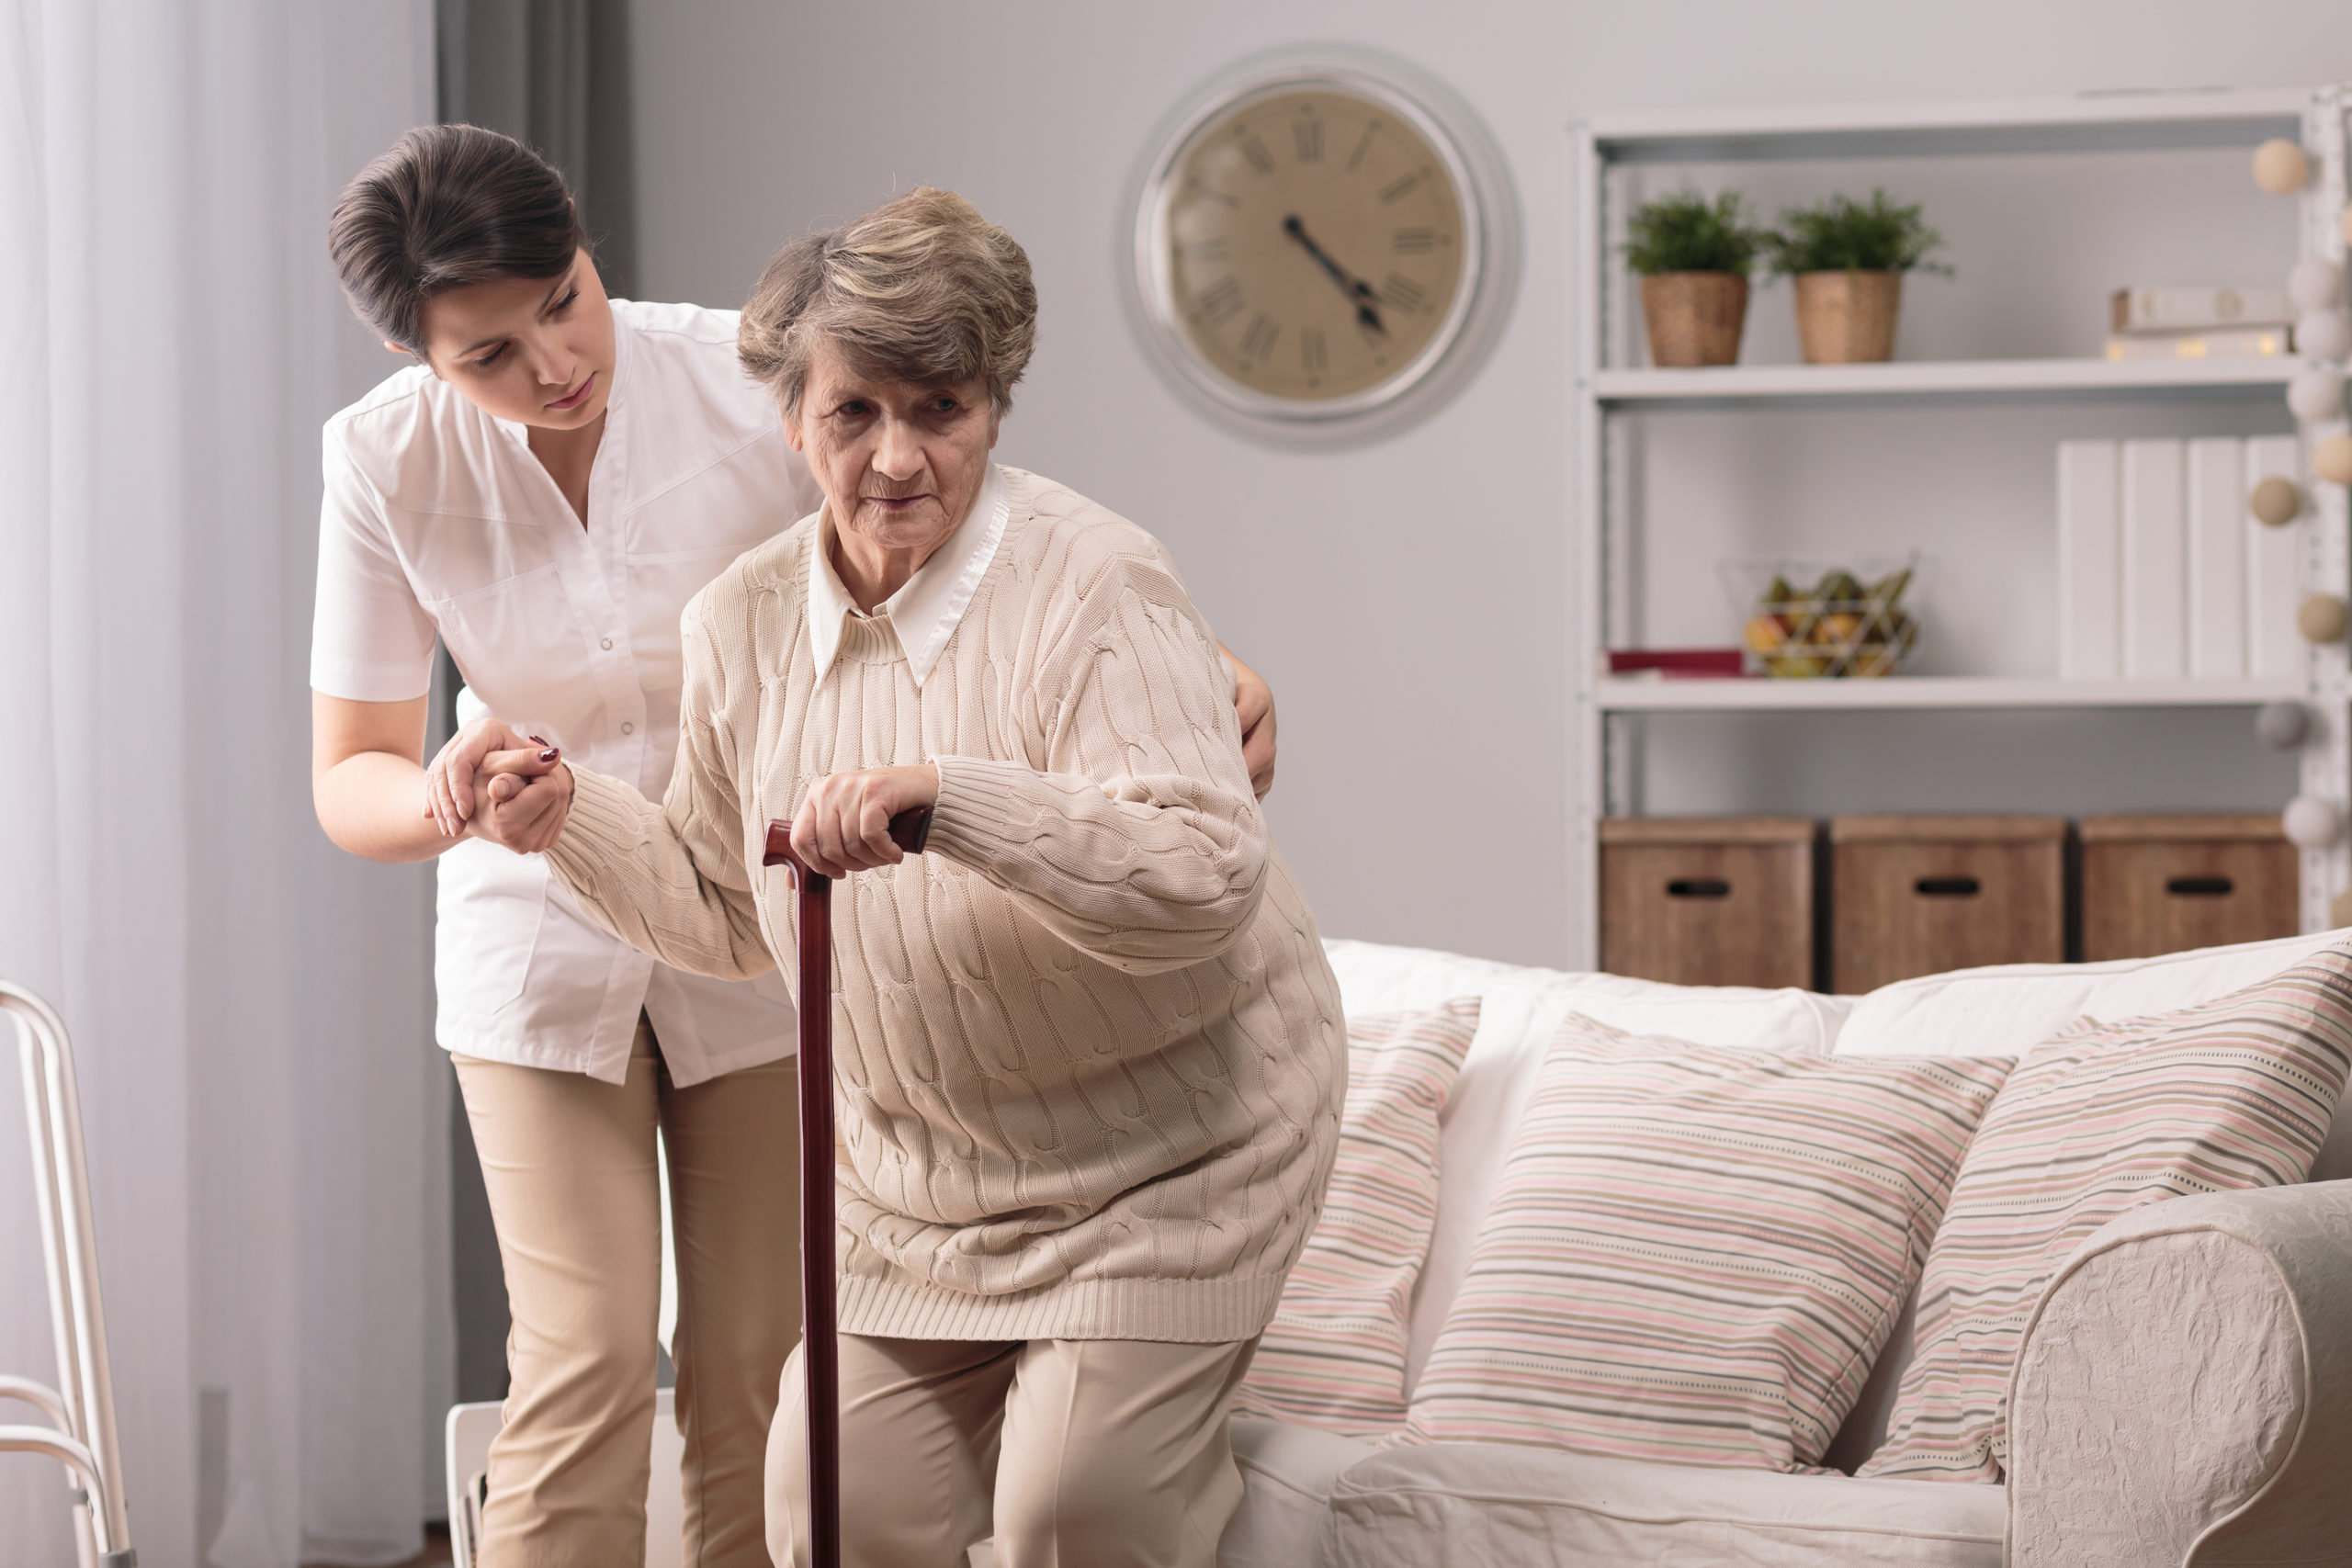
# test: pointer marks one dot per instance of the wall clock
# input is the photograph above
(1324, 246)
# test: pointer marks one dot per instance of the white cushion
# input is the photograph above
(1501, 1506)
(1287, 1473)
(1374, 977)
(2006, 1009)
(1520, 1009)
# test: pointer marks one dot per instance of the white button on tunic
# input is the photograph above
(438, 521)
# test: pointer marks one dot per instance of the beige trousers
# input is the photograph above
(1077, 1454)
(574, 1195)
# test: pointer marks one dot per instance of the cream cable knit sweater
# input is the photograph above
(1088, 1055)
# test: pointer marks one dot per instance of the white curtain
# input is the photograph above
(265, 1117)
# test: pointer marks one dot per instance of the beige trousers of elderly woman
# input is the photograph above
(569, 1162)
(1073, 1453)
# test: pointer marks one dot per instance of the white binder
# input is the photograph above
(2156, 562)
(2217, 558)
(2275, 648)
(2090, 624)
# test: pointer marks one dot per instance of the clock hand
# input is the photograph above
(1355, 288)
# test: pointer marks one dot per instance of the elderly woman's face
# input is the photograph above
(899, 461)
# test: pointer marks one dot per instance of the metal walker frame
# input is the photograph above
(80, 1433)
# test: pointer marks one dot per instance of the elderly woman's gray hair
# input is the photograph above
(923, 288)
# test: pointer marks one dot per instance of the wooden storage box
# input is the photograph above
(2155, 885)
(1708, 901)
(1920, 895)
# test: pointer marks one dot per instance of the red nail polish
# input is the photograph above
(538, 739)
(548, 755)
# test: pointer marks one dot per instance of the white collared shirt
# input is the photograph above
(927, 607)
(438, 521)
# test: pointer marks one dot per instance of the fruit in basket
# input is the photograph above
(1768, 634)
(1895, 638)
(1840, 588)
(1838, 625)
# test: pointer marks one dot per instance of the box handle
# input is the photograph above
(1948, 887)
(1698, 887)
(2201, 886)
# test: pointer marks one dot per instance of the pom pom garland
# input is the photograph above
(2316, 393)
(2315, 284)
(2280, 166)
(2331, 460)
(2282, 726)
(2311, 823)
(2323, 618)
(2276, 500)
(2323, 334)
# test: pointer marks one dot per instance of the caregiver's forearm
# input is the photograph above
(368, 778)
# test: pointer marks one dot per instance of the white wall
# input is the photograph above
(1410, 601)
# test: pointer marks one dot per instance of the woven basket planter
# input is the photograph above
(1694, 317)
(1848, 318)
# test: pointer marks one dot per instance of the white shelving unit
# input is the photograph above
(1624, 694)
(1610, 383)
(1958, 379)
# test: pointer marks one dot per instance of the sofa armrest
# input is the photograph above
(2184, 1395)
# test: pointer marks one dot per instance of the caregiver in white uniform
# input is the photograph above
(543, 492)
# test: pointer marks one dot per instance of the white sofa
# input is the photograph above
(2141, 1437)
(2143, 1434)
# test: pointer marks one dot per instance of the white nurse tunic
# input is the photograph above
(438, 521)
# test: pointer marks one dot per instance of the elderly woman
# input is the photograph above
(1091, 1056)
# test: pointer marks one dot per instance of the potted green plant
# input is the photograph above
(1693, 256)
(1847, 259)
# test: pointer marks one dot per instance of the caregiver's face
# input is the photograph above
(536, 350)
(899, 461)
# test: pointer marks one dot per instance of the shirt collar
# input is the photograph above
(927, 609)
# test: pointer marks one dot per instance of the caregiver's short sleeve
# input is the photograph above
(371, 640)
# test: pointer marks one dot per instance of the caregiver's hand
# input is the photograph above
(844, 823)
(522, 799)
(449, 778)
(1253, 705)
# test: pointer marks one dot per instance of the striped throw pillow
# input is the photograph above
(1334, 1356)
(1696, 1254)
(2232, 1093)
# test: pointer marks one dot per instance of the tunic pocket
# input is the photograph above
(488, 927)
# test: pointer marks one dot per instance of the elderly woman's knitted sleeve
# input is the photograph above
(1139, 841)
(669, 879)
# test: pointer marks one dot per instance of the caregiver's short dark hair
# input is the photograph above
(446, 205)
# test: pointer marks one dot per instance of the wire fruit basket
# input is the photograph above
(1809, 622)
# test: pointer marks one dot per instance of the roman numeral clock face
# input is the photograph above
(1310, 252)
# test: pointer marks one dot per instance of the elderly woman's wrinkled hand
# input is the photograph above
(843, 825)
(449, 778)
(521, 799)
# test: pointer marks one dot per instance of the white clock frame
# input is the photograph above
(1490, 257)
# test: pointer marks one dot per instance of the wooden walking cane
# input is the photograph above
(820, 1356)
